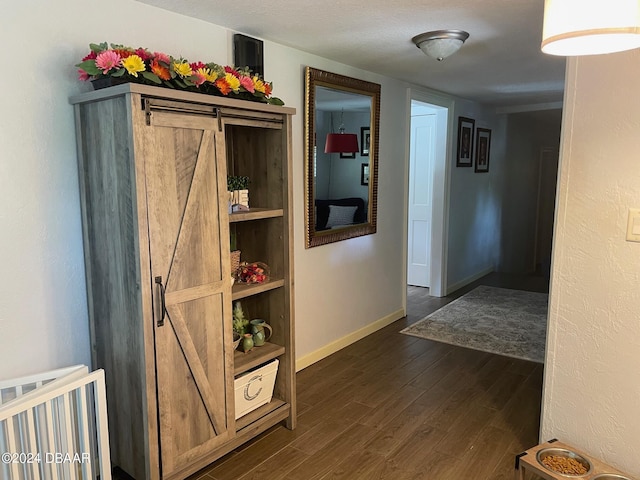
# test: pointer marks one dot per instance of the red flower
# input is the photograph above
(143, 54)
(267, 89)
(223, 86)
(91, 56)
(162, 72)
(232, 71)
(195, 66)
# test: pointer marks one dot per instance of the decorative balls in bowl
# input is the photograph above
(252, 272)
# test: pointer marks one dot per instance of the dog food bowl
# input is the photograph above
(565, 458)
(610, 476)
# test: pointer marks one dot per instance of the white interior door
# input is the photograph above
(421, 160)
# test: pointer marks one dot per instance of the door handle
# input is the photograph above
(163, 306)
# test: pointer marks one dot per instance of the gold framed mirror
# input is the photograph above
(341, 184)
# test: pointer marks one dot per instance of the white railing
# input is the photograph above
(53, 426)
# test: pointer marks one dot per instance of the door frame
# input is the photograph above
(555, 151)
(444, 107)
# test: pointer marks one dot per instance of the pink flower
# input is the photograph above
(162, 57)
(108, 60)
(198, 78)
(247, 84)
(82, 75)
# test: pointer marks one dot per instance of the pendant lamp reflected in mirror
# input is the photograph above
(341, 142)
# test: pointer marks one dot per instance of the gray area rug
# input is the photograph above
(508, 322)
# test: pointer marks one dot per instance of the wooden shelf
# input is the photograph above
(256, 214)
(242, 290)
(261, 413)
(256, 356)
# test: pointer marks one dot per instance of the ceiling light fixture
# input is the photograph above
(576, 27)
(341, 142)
(440, 44)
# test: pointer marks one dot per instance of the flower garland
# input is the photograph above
(142, 66)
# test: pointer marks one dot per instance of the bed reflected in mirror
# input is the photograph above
(341, 149)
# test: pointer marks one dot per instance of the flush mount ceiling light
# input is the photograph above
(440, 44)
(576, 27)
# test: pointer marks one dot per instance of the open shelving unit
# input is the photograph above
(261, 151)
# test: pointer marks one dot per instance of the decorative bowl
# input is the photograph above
(610, 476)
(236, 340)
(252, 272)
(566, 457)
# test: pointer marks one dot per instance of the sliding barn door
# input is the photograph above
(191, 282)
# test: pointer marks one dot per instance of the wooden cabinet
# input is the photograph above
(153, 165)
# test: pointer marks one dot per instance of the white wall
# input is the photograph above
(475, 203)
(591, 386)
(344, 287)
(340, 288)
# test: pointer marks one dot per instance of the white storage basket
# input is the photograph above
(255, 388)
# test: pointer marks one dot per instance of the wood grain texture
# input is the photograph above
(395, 407)
(153, 166)
(182, 183)
(264, 155)
(114, 225)
(181, 96)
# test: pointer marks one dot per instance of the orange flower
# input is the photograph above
(123, 53)
(223, 86)
(162, 72)
(267, 89)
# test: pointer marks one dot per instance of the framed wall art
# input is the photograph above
(483, 144)
(365, 138)
(364, 174)
(464, 157)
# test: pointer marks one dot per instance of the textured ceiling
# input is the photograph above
(499, 65)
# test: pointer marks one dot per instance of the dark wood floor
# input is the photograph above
(397, 407)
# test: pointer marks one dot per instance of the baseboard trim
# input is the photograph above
(347, 340)
(468, 280)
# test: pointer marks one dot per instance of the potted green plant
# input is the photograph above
(240, 324)
(238, 187)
